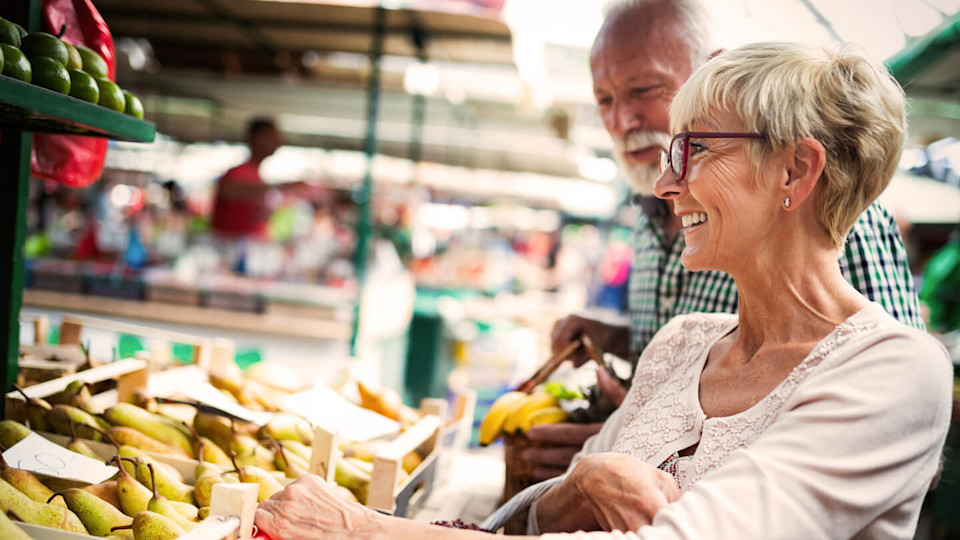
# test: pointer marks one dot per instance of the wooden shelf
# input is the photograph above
(32, 108)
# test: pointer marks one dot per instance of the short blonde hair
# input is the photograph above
(788, 91)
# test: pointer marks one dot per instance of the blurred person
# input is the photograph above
(810, 414)
(242, 203)
(642, 54)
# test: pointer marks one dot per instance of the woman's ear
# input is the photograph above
(803, 171)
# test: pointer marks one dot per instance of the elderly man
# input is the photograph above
(643, 53)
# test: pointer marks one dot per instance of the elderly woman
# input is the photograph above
(810, 414)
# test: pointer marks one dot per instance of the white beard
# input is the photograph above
(639, 176)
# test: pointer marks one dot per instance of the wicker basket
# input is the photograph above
(519, 476)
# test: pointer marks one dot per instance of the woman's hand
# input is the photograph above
(606, 491)
(308, 508)
(621, 492)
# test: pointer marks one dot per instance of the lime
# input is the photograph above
(93, 63)
(9, 33)
(15, 63)
(110, 95)
(50, 73)
(133, 106)
(73, 57)
(83, 86)
(44, 44)
(22, 30)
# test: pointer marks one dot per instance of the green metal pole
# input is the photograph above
(14, 177)
(363, 194)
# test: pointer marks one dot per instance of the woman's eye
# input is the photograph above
(696, 148)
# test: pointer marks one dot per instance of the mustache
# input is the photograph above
(635, 140)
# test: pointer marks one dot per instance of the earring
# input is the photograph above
(786, 202)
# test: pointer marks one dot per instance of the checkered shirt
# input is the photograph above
(874, 262)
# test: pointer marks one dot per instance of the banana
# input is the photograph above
(547, 415)
(532, 403)
(503, 407)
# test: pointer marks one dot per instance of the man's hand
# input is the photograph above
(559, 443)
(614, 339)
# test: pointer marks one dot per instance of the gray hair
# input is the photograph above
(692, 15)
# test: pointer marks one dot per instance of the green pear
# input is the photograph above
(168, 485)
(134, 497)
(291, 464)
(350, 476)
(26, 483)
(159, 504)
(153, 526)
(204, 512)
(131, 452)
(212, 453)
(78, 446)
(36, 411)
(10, 531)
(151, 424)
(203, 488)
(251, 474)
(38, 513)
(259, 456)
(106, 491)
(137, 439)
(97, 515)
(12, 432)
(297, 448)
(87, 425)
(287, 427)
(78, 395)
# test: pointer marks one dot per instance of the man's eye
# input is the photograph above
(604, 102)
(641, 91)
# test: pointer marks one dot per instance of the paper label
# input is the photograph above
(38, 455)
(325, 408)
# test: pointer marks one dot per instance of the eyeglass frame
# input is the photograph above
(686, 136)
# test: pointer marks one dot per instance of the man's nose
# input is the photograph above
(626, 119)
(667, 187)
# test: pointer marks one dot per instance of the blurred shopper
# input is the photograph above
(641, 56)
(243, 202)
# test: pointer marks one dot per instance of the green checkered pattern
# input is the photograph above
(875, 262)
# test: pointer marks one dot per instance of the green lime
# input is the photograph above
(83, 86)
(110, 95)
(22, 30)
(9, 33)
(15, 63)
(93, 63)
(73, 57)
(44, 44)
(50, 73)
(133, 106)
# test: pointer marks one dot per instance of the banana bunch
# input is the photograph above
(517, 412)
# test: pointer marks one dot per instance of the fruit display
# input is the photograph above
(517, 412)
(45, 60)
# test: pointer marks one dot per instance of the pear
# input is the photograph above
(10, 531)
(221, 429)
(298, 448)
(203, 488)
(38, 513)
(231, 477)
(153, 425)
(287, 426)
(168, 485)
(204, 512)
(78, 446)
(106, 491)
(348, 475)
(251, 474)
(36, 411)
(26, 483)
(153, 526)
(78, 395)
(365, 451)
(159, 504)
(97, 515)
(87, 426)
(131, 452)
(258, 456)
(137, 439)
(291, 464)
(12, 432)
(133, 496)
(206, 450)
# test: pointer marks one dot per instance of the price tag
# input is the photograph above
(38, 455)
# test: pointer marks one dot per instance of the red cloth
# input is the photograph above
(69, 159)
(236, 216)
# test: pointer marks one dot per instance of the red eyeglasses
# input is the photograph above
(676, 158)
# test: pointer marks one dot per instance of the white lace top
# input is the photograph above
(844, 447)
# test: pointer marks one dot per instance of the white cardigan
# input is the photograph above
(845, 447)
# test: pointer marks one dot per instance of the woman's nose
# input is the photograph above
(667, 187)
